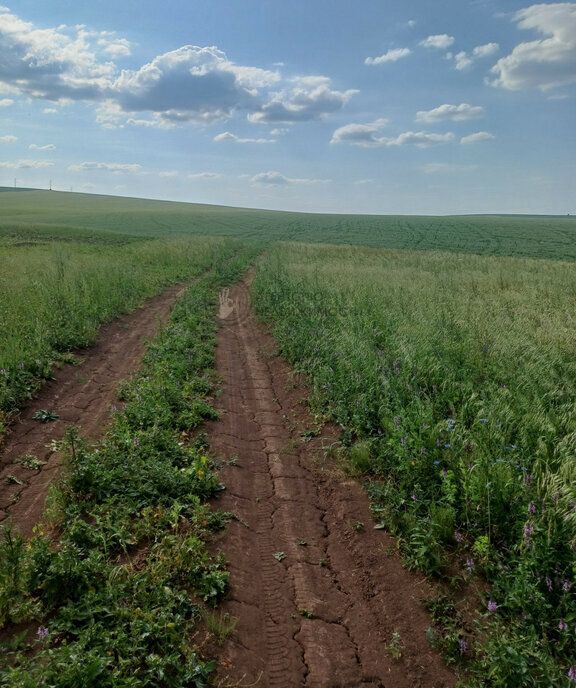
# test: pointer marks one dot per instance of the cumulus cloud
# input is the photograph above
(6, 102)
(47, 147)
(363, 135)
(51, 63)
(227, 136)
(26, 164)
(478, 137)
(455, 113)
(366, 136)
(273, 178)
(544, 63)
(390, 56)
(8, 139)
(439, 41)
(190, 84)
(463, 60)
(307, 99)
(115, 168)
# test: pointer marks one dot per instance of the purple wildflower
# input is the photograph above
(566, 585)
(42, 632)
(463, 646)
(492, 606)
(438, 442)
(403, 441)
(562, 626)
(136, 442)
(446, 446)
(458, 536)
(532, 508)
(4, 371)
(470, 565)
(572, 673)
(548, 583)
(414, 497)
(483, 420)
(397, 421)
(528, 532)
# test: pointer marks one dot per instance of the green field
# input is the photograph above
(35, 215)
(442, 346)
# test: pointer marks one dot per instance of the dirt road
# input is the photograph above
(81, 395)
(321, 597)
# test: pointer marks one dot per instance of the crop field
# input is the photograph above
(441, 347)
(31, 215)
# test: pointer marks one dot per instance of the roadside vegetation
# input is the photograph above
(111, 591)
(453, 378)
(54, 296)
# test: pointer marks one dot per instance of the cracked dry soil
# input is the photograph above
(317, 595)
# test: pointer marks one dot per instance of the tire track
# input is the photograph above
(317, 599)
(80, 394)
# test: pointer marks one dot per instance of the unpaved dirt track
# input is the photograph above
(81, 395)
(318, 597)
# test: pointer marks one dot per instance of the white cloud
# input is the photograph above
(115, 168)
(365, 136)
(273, 178)
(440, 41)
(544, 63)
(26, 164)
(8, 139)
(191, 84)
(478, 137)
(6, 102)
(455, 113)
(49, 111)
(204, 175)
(441, 167)
(168, 174)
(485, 50)
(309, 98)
(390, 56)
(227, 136)
(47, 147)
(464, 60)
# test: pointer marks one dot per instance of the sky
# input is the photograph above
(373, 106)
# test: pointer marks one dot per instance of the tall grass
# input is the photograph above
(54, 297)
(454, 380)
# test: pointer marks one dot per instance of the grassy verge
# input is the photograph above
(115, 601)
(454, 380)
(55, 296)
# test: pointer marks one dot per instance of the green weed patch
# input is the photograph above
(116, 600)
(454, 381)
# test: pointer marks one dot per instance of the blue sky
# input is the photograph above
(374, 106)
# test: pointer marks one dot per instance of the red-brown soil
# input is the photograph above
(319, 594)
(81, 395)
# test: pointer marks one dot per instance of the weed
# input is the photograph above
(31, 462)
(279, 556)
(220, 624)
(45, 416)
(396, 646)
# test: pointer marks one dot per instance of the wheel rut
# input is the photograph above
(81, 394)
(317, 591)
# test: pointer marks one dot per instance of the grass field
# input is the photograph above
(442, 346)
(453, 378)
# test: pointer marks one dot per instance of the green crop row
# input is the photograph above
(453, 378)
(115, 602)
